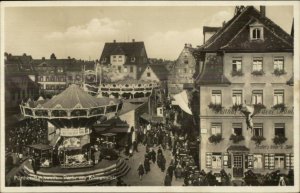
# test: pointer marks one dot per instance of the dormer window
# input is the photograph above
(256, 31)
(132, 59)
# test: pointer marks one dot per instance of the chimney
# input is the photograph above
(114, 41)
(43, 58)
(133, 40)
(263, 11)
(223, 24)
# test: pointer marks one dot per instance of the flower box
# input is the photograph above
(278, 72)
(215, 107)
(237, 73)
(258, 73)
(237, 107)
(281, 107)
(258, 139)
(259, 106)
(236, 138)
(215, 138)
(279, 139)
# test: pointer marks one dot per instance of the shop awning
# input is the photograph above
(41, 147)
(238, 148)
(150, 118)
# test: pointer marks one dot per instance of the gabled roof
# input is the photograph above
(160, 71)
(234, 35)
(129, 49)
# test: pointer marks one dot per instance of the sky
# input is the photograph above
(81, 32)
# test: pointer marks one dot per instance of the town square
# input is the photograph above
(149, 96)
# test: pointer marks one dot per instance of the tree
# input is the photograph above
(53, 56)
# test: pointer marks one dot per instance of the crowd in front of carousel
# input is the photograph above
(18, 137)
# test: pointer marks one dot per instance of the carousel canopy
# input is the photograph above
(76, 97)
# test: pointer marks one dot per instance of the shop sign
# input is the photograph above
(69, 132)
(230, 111)
(267, 147)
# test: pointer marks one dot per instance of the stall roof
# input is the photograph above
(151, 118)
(109, 134)
(41, 146)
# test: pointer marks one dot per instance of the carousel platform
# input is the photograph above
(104, 172)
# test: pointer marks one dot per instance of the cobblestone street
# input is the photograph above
(155, 177)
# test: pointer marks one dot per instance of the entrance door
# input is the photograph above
(238, 169)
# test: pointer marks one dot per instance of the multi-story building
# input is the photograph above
(183, 70)
(20, 85)
(249, 60)
(55, 75)
(126, 58)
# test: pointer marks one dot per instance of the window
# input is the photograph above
(119, 69)
(256, 33)
(185, 70)
(148, 74)
(237, 129)
(120, 59)
(278, 97)
(60, 69)
(257, 161)
(131, 69)
(214, 160)
(132, 59)
(216, 97)
(237, 64)
(216, 128)
(279, 161)
(257, 64)
(289, 161)
(257, 129)
(237, 97)
(125, 69)
(179, 71)
(114, 58)
(279, 129)
(47, 78)
(257, 97)
(41, 78)
(278, 63)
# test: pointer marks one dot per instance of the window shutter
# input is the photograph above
(271, 161)
(266, 161)
(287, 161)
(250, 161)
(229, 161)
(208, 160)
(225, 159)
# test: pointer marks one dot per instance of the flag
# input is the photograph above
(182, 100)
(248, 111)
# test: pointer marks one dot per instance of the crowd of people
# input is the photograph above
(27, 132)
(184, 161)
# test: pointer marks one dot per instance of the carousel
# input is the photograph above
(72, 112)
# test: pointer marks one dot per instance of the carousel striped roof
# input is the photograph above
(76, 97)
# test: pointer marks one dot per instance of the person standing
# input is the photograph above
(163, 163)
(153, 156)
(141, 170)
(168, 180)
(170, 171)
(135, 146)
(147, 164)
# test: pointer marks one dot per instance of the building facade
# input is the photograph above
(249, 61)
(127, 59)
